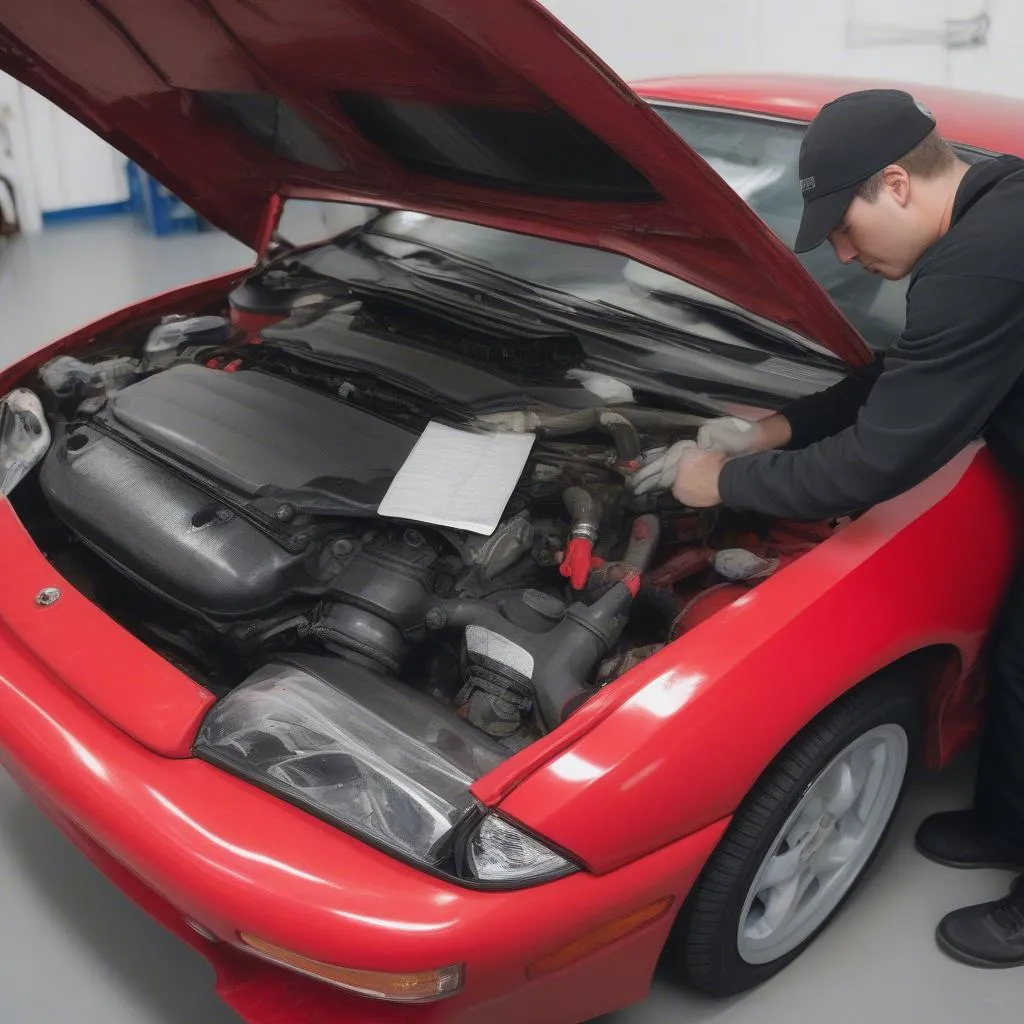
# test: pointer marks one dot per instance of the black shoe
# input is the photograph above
(988, 935)
(955, 838)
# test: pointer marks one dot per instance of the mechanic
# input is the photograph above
(888, 192)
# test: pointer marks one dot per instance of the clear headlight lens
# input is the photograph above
(24, 436)
(498, 851)
(378, 758)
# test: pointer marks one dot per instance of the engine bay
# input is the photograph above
(215, 488)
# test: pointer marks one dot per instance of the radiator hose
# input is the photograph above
(624, 435)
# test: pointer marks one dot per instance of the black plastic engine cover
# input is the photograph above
(120, 484)
(251, 431)
(444, 375)
(163, 532)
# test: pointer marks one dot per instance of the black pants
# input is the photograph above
(999, 796)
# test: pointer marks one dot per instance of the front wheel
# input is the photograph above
(801, 841)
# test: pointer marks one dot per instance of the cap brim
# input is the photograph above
(821, 217)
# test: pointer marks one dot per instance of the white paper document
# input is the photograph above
(458, 479)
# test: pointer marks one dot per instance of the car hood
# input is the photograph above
(490, 112)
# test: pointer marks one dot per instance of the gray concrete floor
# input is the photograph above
(76, 950)
(71, 274)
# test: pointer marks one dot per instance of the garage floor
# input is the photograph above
(76, 950)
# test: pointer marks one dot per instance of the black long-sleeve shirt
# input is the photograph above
(955, 372)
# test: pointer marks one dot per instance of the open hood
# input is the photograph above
(484, 110)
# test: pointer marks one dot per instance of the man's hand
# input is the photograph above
(730, 434)
(658, 472)
(744, 437)
(697, 472)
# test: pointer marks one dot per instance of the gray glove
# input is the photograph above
(658, 472)
(730, 434)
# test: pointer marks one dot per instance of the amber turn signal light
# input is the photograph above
(600, 937)
(408, 987)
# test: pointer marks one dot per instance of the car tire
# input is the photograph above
(730, 935)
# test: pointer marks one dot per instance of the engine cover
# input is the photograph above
(162, 482)
(251, 431)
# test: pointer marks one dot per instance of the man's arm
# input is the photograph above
(799, 424)
(817, 416)
(961, 352)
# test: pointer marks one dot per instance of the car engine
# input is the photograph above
(219, 496)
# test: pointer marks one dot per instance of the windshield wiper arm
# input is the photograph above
(777, 339)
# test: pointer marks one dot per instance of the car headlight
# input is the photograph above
(24, 436)
(377, 758)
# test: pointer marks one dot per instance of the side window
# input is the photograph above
(758, 157)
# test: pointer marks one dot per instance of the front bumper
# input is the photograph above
(190, 842)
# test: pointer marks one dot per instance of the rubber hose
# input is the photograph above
(643, 539)
(623, 434)
(581, 506)
(660, 419)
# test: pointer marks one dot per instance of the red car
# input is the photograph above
(329, 630)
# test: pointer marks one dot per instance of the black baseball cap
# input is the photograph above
(851, 138)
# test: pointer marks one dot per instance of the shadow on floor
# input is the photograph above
(142, 960)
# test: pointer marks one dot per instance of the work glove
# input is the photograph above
(658, 472)
(730, 434)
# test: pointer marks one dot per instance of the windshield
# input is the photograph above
(628, 317)
(590, 275)
(758, 156)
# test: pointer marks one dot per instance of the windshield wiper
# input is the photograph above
(598, 318)
(603, 317)
(777, 338)
(466, 312)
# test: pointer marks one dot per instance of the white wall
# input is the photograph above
(71, 166)
(55, 162)
(14, 152)
(645, 38)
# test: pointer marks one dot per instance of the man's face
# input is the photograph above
(885, 236)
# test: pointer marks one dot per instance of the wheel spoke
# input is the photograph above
(807, 822)
(844, 790)
(781, 868)
(873, 784)
(807, 879)
(836, 855)
(781, 903)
